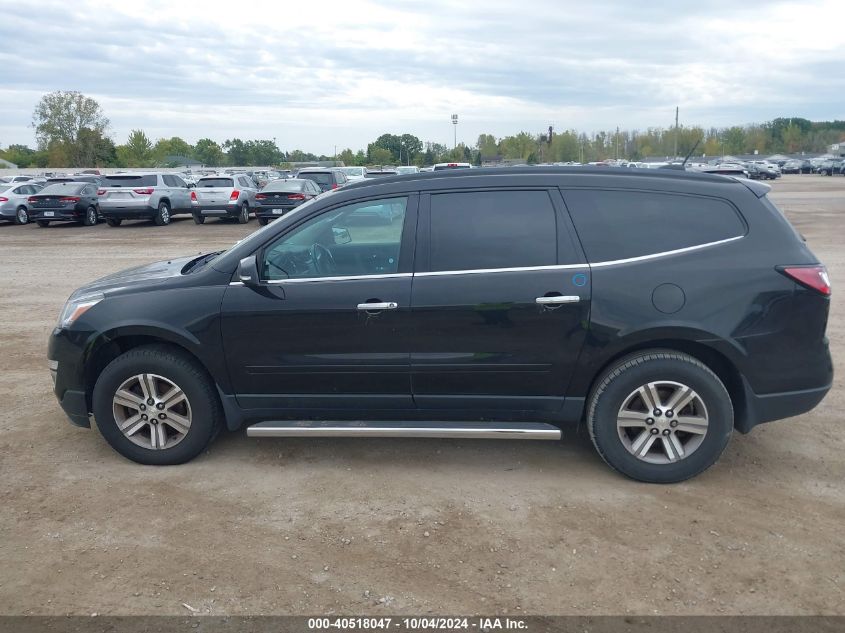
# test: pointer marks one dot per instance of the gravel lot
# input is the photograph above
(397, 526)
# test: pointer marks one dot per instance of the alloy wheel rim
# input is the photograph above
(22, 216)
(662, 422)
(152, 411)
(92, 216)
(165, 214)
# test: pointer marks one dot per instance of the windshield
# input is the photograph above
(285, 185)
(354, 171)
(321, 178)
(215, 182)
(61, 189)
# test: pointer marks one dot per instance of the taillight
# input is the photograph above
(813, 277)
(148, 191)
(260, 196)
(235, 195)
(334, 185)
(69, 199)
(100, 192)
(194, 196)
(2, 199)
(296, 196)
(32, 200)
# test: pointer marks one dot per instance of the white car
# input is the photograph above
(354, 174)
(408, 169)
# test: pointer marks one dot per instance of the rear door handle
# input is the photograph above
(558, 299)
(384, 305)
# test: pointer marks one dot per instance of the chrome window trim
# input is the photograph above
(677, 251)
(519, 269)
(440, 273)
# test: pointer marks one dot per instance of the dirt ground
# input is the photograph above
(341, 526)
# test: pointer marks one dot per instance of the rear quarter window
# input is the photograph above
(615, 225)
(130, 181)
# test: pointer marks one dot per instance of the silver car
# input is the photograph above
(143, 196)
(225, 196)
(14, 204)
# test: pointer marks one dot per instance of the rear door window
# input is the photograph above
(614, 225)
(492, 230)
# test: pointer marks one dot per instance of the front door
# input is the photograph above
(327, 328)
(500, 302)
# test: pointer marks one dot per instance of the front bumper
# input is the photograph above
(65, 360)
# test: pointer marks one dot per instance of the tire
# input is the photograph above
(617, 390)
(263, 221)
(198, 218)
(43, 223)
(162, 216)
(21, 215)
(114, 221)
(90, 218)
(243, 216)
(201, 407)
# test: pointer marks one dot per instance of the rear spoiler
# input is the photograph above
(756, 187)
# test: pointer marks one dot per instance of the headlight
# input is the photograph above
(76, 307)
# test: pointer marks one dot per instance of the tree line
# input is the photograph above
(71, 131)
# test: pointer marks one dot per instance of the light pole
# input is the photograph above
(455, 124)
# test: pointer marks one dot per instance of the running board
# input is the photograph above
(476, 430)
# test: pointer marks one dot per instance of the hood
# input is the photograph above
(146, 275)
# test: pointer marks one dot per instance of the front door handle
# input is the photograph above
(558, 299)
(383, 305)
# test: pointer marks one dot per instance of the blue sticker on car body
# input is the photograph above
(579, 279)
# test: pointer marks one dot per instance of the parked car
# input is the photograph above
(380, 173)
(792, 167)
(281, 196)
(662, 309)
(444, 166)
(14, 201)
(407, 169)
(228, 197)
(81, 178)
(17, 179)
(354, 174)
(326, 179)
(143, 196)
(830, 167)
(65, 201)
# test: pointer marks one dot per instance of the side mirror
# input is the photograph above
(248, 271)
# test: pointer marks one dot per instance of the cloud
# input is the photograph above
(340, 73)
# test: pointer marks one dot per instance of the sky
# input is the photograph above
(320, 75)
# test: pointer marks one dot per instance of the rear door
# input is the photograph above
(500, 301)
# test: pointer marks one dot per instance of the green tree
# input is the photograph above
(487, 146)
(237, 152)
(379, 155)
(60, 119)
(137, 152)
(410, 147)
(263, 152)
(209, 153)
(20, 155)
(166, 150)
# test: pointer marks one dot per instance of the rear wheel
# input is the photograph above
(199, 218)
(660, 416)
(113, 221)
(162, 216)
(263, 221)
(90, 218)
(21, 215)
(156, 405)
(243, 216)
(43, 223)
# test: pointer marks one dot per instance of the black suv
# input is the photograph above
(663, 309)
(327, 179)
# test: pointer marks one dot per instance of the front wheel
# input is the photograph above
(162, 216)
(660, 416)
(156, 405)
(243, 216)
(21, 216)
